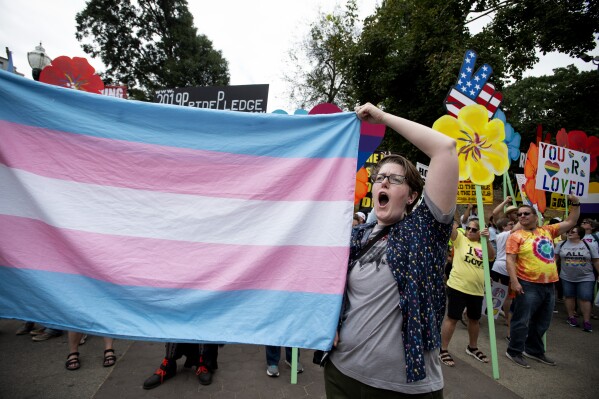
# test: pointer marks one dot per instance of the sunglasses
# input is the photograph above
(523, 214)
(472, 229)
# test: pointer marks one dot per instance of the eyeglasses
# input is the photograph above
(510, 224)
(472, 229)
(520, 214)
(393, 179)
(586, 221)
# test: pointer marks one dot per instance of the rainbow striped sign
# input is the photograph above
(158, 222)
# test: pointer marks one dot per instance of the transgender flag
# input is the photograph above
(157, 222)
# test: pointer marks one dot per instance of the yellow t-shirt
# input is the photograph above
(536, 257)
(467, 272)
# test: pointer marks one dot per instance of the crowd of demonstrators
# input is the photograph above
(533, 272)
(499, 271)
(395, 299)
(578, 261)
(465, 289)
(397, 261)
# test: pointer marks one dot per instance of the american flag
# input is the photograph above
(472, 88)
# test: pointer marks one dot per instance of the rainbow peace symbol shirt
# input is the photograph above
(536, 257)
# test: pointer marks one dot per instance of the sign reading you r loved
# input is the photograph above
(564, 171)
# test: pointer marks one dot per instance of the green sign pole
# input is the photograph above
(488, 291)
(294, 365)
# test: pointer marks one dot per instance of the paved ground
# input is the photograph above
(36, 370)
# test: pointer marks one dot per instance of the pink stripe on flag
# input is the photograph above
(87, 159)
(31, 244)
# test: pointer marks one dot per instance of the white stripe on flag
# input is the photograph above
(150, 214)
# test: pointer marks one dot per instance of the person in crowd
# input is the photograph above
(203, 356)
(470, 213)
(361, 216)
(492, 233)
(43, 333)
(25, 328)
(510, 210)
(559, 292)
(273, 356)
(533, 272)
(355, 221)
(590, 232)
(75, 339)
(499, 271)
(577, 259)
(395, 296)
(465, 289)
(591, 237)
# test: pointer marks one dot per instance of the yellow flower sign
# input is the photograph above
(482, 152)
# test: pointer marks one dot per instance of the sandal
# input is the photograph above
(478, 355)
(72, 363)
(109, 360)
(446, 358)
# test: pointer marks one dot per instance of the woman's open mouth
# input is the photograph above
(383, 199)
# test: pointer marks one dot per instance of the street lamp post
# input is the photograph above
(38, 60)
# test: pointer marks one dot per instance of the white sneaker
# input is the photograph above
(272, 371)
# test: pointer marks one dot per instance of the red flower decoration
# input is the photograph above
(578, 140)
(562, 138)
(75, 73)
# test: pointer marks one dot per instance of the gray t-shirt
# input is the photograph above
(576, 261)
(370, 347)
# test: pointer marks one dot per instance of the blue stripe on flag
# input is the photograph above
(78, 303)
(27, 102)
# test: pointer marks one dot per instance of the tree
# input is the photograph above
(149, 44)
(410, 51)
(519, 28)
(328, 50)
(567, 99)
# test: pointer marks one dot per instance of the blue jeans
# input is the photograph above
(533, 311)
(273, 355)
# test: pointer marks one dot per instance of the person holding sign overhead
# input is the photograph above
(533, 272)
(395, 296)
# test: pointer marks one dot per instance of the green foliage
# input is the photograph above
(149, 44)
(567, 99)
(521, 27)
(329, 50)
(409, 53)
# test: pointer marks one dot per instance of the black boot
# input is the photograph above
(167, 369)
(204, 373)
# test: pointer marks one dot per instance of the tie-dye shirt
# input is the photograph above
(536, 254)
